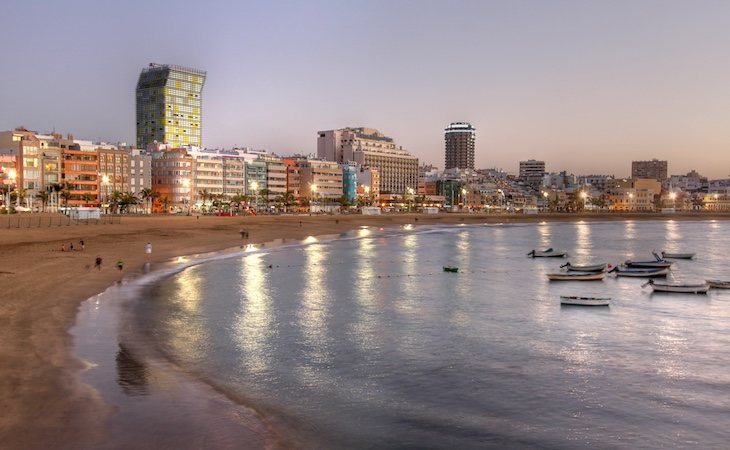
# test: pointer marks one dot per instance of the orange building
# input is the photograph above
(80, 171)
(172, 174)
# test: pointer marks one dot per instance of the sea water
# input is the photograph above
(365, 342)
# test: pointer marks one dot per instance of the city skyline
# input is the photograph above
(586, 88)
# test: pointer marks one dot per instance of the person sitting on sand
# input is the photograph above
(120, 265)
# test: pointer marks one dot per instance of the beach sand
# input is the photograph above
(43, 402)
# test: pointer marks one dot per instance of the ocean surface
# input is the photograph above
(364, 342)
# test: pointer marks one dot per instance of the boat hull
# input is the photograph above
(643, 273)
(584, 301)
(681, 289)
(678, 255)
(718, 284)
(590, 268)
(575, 276)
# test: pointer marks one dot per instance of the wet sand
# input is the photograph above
(44, 403)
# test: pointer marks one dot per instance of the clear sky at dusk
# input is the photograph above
(585, 86)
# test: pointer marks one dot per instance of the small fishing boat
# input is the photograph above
(576, 276)
(587, 268)
(584, 301)
(451, 269)
(701, 288)
(678, 255)
(640, 272)
(718, 284)
(549, 253)
(649, 264)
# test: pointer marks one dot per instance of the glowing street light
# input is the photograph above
(313, 189)
(186, 184)
(255, 187)
(104, 188)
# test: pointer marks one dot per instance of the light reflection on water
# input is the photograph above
(367, 342)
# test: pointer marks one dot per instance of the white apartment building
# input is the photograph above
(368, 147)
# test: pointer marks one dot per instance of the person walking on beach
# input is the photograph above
(97, 263)
(83, 246)
(71, 247)
(63, 247)
(120, 265)
(148, 249)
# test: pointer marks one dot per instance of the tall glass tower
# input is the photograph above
(460, 140)
(169, 105)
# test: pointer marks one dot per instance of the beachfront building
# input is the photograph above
(649, 169)
(169, 106)
(114, 165)
(276, 173)
(369, 179)
(369, 148)
(80, 175)
(321, 181)
(140, 170)
(718, 200)
(172, 174)
(207, 176)
(460, 139)
(256, 181)
(532, 172)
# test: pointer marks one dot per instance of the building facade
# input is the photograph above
(170, 105)
(460, 138)
(649, 169)
(532, 172)
(172, 175)
(367, 147)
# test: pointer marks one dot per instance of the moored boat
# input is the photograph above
(549, 253)
(678, 255)
(586, 268)
(649, 264)
(640, 272)
(700, 288)
(451, 269)
(718, 284)
(584, 301)
(576, 276)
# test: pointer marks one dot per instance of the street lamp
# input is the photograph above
(186, 184)
(12, 173)
(410, 193)
(584, 196)
(255, 187)
(313, 189)
(673, 196)
(105, 189)
(463, 197)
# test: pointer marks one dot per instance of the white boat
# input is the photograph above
(701, 288)
(584, 301)
(718, 284)
(549, 253)
(678, 255)
(640, 272)
(576, 276)
(653, 264)
(587, 268)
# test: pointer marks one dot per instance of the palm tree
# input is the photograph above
(66, 192)
(238, 199)
(146, 196)
(115, 198)
(128, 198)
(204, 195)
(288, 200)
(87, 197)
(165, 203)
(55, 188)
(264, 193)
(21, 194)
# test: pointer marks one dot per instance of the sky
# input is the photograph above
(586, 86)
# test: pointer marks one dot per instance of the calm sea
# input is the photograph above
(364, 341)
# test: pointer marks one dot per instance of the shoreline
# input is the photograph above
(44, 401)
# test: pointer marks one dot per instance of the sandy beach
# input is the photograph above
(43, 402)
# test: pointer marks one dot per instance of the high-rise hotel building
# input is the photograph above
(460, 140)
(169, 106)
(369, 148)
